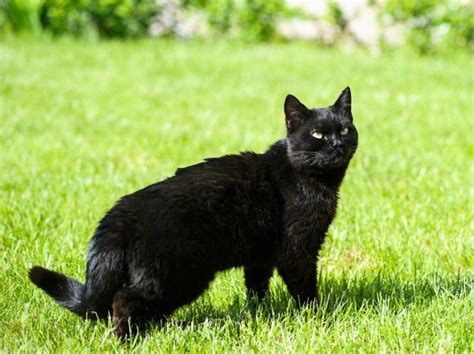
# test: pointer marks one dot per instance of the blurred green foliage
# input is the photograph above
(220, 14)
(336, 16)
(434, 24)
(106, 18)
(252, 19)
(63, 16)
(257, 18)
(123, 18)
(20, 16)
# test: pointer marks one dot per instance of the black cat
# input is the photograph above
(158, 249)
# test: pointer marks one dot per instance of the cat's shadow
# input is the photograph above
(338, 295)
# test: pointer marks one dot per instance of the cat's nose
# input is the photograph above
(336, 142)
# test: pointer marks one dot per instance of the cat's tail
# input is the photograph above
(66, 291)
(106, 272)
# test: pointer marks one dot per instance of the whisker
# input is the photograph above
(302, 152)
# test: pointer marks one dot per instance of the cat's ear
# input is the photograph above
(295, 113)
(344, 101)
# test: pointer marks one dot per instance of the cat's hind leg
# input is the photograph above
(257, 278)
(134, 309)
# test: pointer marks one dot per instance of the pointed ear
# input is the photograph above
(295, 113)
(344, 100)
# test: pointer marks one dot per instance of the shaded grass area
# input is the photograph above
(84, 123)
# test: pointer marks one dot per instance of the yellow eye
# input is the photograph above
(317, 135)
(344, 131)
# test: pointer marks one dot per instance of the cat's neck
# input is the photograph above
(283, 170)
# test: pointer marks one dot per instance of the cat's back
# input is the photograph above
(245, 166)
(232, 186)
(214, 174)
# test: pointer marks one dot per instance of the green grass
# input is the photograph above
(85, 123)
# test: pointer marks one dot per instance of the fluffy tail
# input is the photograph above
(106, 270)
(67, 292)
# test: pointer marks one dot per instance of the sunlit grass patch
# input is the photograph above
(85, 123)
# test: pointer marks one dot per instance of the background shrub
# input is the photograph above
(434, 24)
(108, 18)
(431, 25)
(258, 18)
(252, 19)
(220, 14)
(19, 16)
(123, 18)
(63, 16)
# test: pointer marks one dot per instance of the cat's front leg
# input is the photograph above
(257, 278)
(298, 271)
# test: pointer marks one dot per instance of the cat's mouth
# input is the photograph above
(303, 160)
(342, 156)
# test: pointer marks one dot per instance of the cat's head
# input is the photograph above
(320, 139)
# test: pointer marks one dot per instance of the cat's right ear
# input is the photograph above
(295, 113)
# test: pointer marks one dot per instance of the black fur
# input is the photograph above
(157, 249)
(66, 291)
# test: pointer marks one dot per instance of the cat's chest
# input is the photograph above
(314, 195)
(311, 203)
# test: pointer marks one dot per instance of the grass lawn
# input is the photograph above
(82, 124)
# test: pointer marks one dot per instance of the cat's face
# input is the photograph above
(320, 139)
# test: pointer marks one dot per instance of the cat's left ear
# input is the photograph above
(344, 102)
